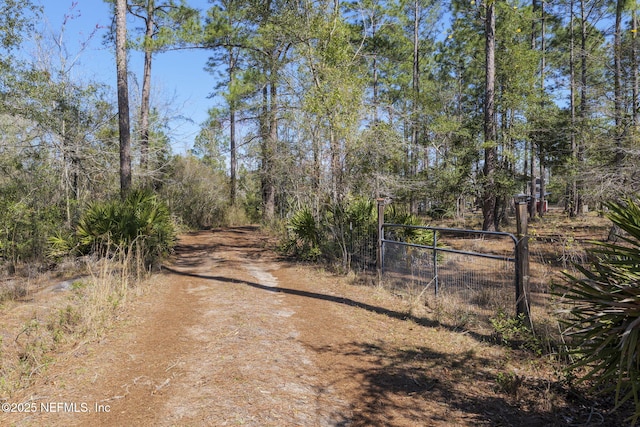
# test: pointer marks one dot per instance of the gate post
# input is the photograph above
(522, 262)
(379, 253)
(435, 262)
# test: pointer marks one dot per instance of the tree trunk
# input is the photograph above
(269, 135)
(542, 186)
(375, 91)
(572, 202)
(541, 210)
(232, 133)
(336, 170)
(634, 69)
(317, 169)
(490, 131)
(266, 157)
(617, 84)
(583, 103)
(413, 204)
(123, 97)
(270, 207)
(532, 166)
(145, 104)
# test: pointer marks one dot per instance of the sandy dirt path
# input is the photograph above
(215, 345)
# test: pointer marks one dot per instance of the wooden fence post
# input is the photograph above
(522, 261)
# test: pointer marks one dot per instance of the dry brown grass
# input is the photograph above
(556, 243)
(40, 320)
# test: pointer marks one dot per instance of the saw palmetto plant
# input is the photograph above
(141, 220)
(602, 310)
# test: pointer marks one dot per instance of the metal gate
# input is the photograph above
(474, 267)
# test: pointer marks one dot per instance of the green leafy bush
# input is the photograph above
(25, 227)
(603, 310)
(416, 236)
(141, 221)
(347, 231)
(334, 234)
(515, 332)
(351, 229)
(305, 242)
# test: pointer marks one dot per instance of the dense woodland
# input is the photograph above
(440, 106)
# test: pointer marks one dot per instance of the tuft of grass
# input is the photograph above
(14, 290)
(447, 309)
(508, 383)
(64, 322)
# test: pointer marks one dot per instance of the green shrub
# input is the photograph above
(416, 236)
(515, 332)
(603, 310)
(305, 242)
(440, 212)
(346, 230)
(361, 214)
(141, 221)
(24, 228)
(338, 229)
(351, 228)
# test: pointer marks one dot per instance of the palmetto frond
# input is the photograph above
(603, 309)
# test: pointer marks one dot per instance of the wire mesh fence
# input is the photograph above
(362, 247)
(470, 267)
(467, 268)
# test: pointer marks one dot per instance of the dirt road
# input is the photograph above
(232, 335)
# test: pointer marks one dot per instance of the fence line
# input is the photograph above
(482, 268)
(362, 247)
(473, 266)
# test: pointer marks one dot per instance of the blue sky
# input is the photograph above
(178, 77)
